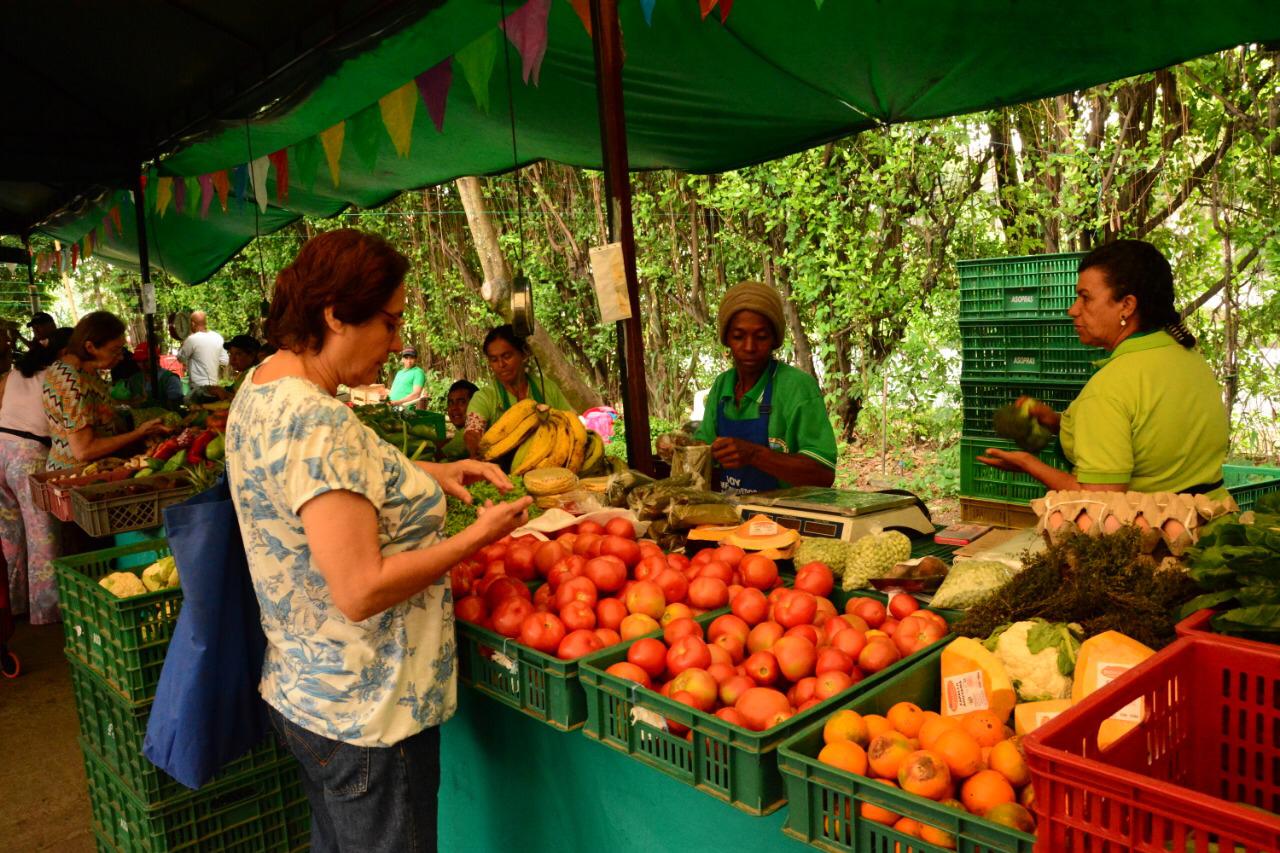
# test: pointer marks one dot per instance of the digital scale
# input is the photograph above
(837, 513)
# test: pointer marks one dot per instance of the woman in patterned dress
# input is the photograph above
(82, 422)
(29, 535)
(342, 532)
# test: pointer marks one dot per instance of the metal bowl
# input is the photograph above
(522, 306)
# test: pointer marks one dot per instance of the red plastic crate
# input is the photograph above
(1199, 772)
(1197, 625)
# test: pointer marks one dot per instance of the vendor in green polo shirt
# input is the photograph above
(409, 380)
(508, 355)
(456, 402)
(765, 421)
(1152, 418)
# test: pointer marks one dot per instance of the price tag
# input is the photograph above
(649, 718)
(762, 528)
(506, 663)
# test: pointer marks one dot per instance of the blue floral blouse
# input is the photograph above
(369, 683)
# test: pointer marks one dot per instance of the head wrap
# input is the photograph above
(752, 296)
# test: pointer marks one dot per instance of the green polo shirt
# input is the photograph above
(407, 381)
(1151, 417)
(798, 423)
(487, 402)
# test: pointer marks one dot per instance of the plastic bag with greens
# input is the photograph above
(971, 581)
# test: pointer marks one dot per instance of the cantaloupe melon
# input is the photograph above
(973, 679)
(1029, 716)
(1103, 659)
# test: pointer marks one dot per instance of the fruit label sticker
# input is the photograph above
(508, 664)
(964, 693)
(1043, 717)
(649, 718)
(1109, 672)
(762, 528)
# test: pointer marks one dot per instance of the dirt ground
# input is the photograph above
(44, 804)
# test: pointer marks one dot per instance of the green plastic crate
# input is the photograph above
(124, 640)
(116, 729)
(1012, 350)
(1247, 483)
(1034, 287)
(825, 802)
(728, 762)
(982, 481)
(258, 814)
(981, 398)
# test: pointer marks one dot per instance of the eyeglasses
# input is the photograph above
(397, 323)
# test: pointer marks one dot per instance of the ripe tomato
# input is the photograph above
(504, 587)
(509, 615)
(624, 549)
(675, 587)
(519, 559)
(708, 593)
(687, 652)
(903, 605)
(650, 655)
(542, 631)
(750, 606)
(795, 608)
(620, 527)
(608, 637)
(646, 597)
(631, 672)
(762, 666)
(730, 554)
(593, 527)
(576, 589)
(679, 628)
(815, 578)
(607, 572)
(610, 612)
(869, 609)
(547, 554)
(758, 571)
(650, 567)
(578, 643)
(763, 708)
(577, 615)
(718, 570)
(471, 609)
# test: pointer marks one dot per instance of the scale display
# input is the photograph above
(835, 513)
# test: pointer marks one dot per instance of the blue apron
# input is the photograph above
(756, 431)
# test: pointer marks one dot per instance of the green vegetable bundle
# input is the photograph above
(1016, 423)
(1237, 562)
(459, 516)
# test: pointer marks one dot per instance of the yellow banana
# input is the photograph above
(536, 449)
(560, 451)
(512, 428)
(578, 434)
(594, 452)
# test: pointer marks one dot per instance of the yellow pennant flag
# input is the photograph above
(398, 108)
(164, 194)
(331, 139)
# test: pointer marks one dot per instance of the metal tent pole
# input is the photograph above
(607, 44)
(32, 293)
(148, 289)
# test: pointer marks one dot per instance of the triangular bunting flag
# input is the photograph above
(477, 61)
(115, 217)
(583, 8)
(240, 182)
(258, 173)
(88, 246)
(646, 6)
(306, 156)
(222, 186)
(106, 226)
(433, 85)
(75, 255)
(331, 139)
(206, 194)
(365, 128)
(179, 195)
(280, 160)
(398, 109)
(164, 194)
(706, 6)
(526, 27)
(725, 6)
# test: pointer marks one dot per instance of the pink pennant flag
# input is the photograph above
(433, 86)
(526, 27)
(206, 194)
(280, 160)
(583, 8)
(106, 226)
(180, 195)
(707, 6)
(725, 6)
(222, 186)
(115, 217)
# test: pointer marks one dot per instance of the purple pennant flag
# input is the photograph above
(180, 195)
(206, 195)
(433, 85)
(526, 27)
(240, 181)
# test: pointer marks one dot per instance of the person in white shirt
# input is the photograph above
(202, 352)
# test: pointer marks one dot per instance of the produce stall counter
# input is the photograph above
(508, 782)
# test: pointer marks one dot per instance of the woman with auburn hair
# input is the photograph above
(342, 535)
(82, 422)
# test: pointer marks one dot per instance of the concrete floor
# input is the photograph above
(44, 804)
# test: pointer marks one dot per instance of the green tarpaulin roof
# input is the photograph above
(701, 95)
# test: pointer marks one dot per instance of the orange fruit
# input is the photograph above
(987, 728)
(1012, 815)
(934, 727)
(936, 836)
(906, 717)
(908, 826)
(879, 814)
(985, 790)
(846, 755)
(1027, 798)
(924, 774)
(876, 725)
(960, 751)
(848, 726)
(1006, 759)
(887, 753)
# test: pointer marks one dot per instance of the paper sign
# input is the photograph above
(964, 693)
(610, 277)
(649, 718)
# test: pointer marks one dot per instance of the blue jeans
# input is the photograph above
(367, 798)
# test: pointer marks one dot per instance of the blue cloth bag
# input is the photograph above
(207, 711)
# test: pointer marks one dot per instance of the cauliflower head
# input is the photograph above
(162, 574)
(122, 584)
(1040, 657)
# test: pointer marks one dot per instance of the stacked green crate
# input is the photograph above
(115, 648)
(1016, 340)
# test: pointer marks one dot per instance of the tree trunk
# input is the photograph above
(496, 291)
(782, 282)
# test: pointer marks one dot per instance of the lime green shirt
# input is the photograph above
(487, 403)
(1151, 417)
(407, 381)
(797, 424)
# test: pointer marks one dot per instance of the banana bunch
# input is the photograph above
(542, 437)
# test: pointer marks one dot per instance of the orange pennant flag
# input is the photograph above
(331, 139)
(164, 194)
(707, 6)
(222, 186)
(583, 8)
(398, 109)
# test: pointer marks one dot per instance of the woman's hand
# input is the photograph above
(1044, 413)
(155, 426)
(1006, 460)
(496, 520)
(734, 452)
(454, 477)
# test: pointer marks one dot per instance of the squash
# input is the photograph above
(1103, 659)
